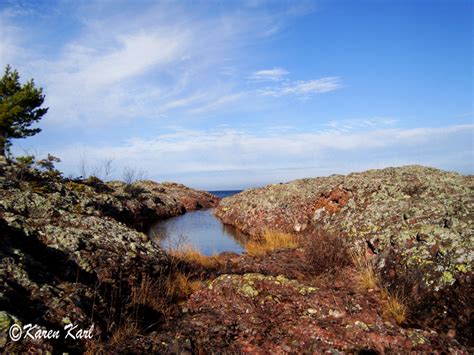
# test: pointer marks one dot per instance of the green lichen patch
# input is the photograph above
(253, 284)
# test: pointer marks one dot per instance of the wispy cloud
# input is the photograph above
(303, 88)
(362, 124)
(275, 74)
(219, 102)
(157, 59)
(135, 54)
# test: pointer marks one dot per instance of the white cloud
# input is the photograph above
(275, 74)
(142, 63)
(187, 154)
(304, 88)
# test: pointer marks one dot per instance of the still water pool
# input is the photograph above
(201, 229)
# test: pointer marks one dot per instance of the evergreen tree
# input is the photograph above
(20, 106)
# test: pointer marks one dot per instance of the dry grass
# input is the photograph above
(271, 240)
(92, 347)
(190, 255)
(394, 307)
(154, 299)
(183, 286)
(150, 293)
(121, 341)
(124, 336)
(366, 278)
(161, 295)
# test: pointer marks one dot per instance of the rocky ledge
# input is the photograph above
(71, 251)
(417, 222)
(274, 314)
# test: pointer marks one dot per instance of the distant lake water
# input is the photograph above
(201, 229)
(225, 193)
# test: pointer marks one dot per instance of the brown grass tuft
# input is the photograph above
(190, 255)
(394, 307)
(184, 286)
(162, 295)
(271, 240)
(124, 336)
(94, 346)
(366, 277)
(149, 293)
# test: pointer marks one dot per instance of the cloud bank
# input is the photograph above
(229, 158)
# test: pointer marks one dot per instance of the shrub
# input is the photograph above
(25, 162)
(325, 252)
(47, 165)
(77, 187)
(93, 180)
(131, 175)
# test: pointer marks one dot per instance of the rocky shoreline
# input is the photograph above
(73, 251)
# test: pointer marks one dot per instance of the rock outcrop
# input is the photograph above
(417, 221)
(71, 252)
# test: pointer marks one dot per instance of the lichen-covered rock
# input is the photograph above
(139, 204)
(274, 314)
(424, 214)
(418, 222)
(246, 284)
(71, 252)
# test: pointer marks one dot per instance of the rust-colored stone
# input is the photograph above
(333, 201)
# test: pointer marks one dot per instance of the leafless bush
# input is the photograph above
(103, 170)
(130, 175)
(83, 170)
(95, 171)
(325, 252)
(107, 167)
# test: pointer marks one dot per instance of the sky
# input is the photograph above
(237, 94)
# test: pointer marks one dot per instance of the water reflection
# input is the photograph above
(201, 229)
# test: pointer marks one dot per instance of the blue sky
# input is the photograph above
(234, 94)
